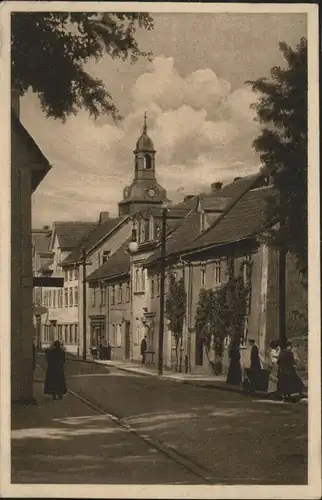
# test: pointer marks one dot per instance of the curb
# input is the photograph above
(193, 383)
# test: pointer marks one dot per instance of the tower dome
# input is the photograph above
(144, 143)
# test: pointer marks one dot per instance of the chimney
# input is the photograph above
(237, 179)
(188, 197)
(16, 93)
(216, 186)
(104, 217)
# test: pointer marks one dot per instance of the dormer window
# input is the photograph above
(203, 221)
(106, 255)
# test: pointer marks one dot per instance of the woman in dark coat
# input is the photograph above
(234, 376)
(55, 383)
(288, 380)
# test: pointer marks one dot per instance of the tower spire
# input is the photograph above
(145, 126)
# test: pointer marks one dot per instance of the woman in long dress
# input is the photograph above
(273, 365)
(234, 376)
(288, 380)
(55, 383)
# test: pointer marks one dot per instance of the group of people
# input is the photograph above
(102, 351)
(280, 377)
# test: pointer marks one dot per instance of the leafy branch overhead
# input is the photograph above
(282, 109)
(50, 51)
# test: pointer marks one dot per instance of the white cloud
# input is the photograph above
(201, 129)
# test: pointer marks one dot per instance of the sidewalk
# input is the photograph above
(199, 380)
(67, 442)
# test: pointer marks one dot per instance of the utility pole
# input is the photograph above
(162, 283)
(84, 304)
(282, 285)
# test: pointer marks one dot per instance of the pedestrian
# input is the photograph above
(94, 351)
(255, 366)
(109, 351)
(234, 376)
(143, 349)
(273, 365)
(288, 380)
(55, 383)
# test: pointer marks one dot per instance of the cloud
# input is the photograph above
(201, 128)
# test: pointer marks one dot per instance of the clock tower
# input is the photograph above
(144, 192)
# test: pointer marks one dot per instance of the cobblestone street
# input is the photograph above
(198, 435)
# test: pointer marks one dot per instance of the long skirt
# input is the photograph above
(272, 384)
(55, 382)
(289, 382)
(234, 375)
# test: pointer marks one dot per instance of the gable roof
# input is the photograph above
(245, 218)
(40, 166)
(117, 265)
(92, 239)
(41, 240)
(70, 234)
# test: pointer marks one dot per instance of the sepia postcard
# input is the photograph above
(160, 271)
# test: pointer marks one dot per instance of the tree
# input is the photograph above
(221, 313)
(175, 310)
(50, 51)
(282, 107)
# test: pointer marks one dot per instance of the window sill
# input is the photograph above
(139, 292)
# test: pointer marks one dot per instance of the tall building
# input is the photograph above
(144, 191)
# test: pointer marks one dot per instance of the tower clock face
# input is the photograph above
(152, 192)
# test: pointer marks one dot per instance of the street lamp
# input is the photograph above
(162, 288)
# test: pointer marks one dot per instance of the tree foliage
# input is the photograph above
(282, 109)
(175, 308)
(50, 51)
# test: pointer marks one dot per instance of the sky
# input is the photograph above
(198, 109)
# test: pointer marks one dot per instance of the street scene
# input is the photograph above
(159, 249)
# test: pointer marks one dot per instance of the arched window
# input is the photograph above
(147, 162)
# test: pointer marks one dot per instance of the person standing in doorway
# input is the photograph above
(55, 383)
(143, 349)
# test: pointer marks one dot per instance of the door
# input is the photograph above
(127, 340)
(199, 351)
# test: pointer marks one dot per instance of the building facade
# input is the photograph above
(28, 168)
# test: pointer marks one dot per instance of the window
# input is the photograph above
(70, 275)
(65, 275)
(118, 335)
(75, 274)
(158, 284)
(152, 287)
(230, 267)
(127, 292)
(60, 332)
(217, 272)
(94, 296)
(151, 228)
(71, 297)
(70, 329)
(65, 340)
(142, 231)
(76, 296)
(60, 298)
(76, 334)
(113, 335)
(243, 340)
(103, 294)
(66, 297)
(203, 275)
(120, 294)
(203, 221)
(106, 255)
(137, 280)
(246, 269)
(142, 280)
(54, 298)
(113, 295)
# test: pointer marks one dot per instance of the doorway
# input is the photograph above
(127, 340)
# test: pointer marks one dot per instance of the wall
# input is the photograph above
(22, 328)
(112, 243)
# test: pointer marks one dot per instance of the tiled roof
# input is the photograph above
(244, 216)
(244, 219)
(234, 188)
(45, 264)
(183, 234)
(94, 237)
(41, 240)
(212, 202)
(70, 234)
(118, 264)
